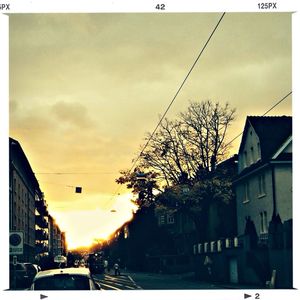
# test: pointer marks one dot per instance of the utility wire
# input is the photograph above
(172, 101)
(180, 87)
(277, 103)
(74, 173)
(118, 189)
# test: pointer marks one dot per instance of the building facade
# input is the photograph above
(29, 210)
(261, 252)
(41, 226)
(22, 192)
(264, 183)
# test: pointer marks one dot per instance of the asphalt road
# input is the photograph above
(150, 281)
(154, 281)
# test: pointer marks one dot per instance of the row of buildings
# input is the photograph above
(248, 240)
(28, 211)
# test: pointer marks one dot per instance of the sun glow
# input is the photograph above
(84, 226)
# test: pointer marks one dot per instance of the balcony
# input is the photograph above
(41, 207)
(41, 248)
(41, 221)
(41, 235)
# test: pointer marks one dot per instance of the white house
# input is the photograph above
(264, 182)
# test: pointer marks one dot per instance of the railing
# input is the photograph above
(263, 238)
(41, 235)
(217, 246)
(41, 247)
(41, 221)
(41, 206)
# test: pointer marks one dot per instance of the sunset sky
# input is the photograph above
(85, 88)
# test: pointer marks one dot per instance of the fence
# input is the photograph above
(217, 246)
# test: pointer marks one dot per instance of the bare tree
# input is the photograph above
(205, 127)
(182, 148)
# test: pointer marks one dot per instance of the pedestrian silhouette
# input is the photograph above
(117, 269)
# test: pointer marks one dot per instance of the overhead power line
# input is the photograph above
(179, 89)
(277, 103)
(73, 173)
(231, 141)
(270, 109)
(176, 94)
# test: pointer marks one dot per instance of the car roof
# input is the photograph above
(71, 271)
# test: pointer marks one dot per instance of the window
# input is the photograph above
(261, 185)
(170, 219)
(246, 192)
(195, 249)
(245, 159)
(126, 232)
(63, 282)
(162, 219)
(263, 222)
(252, 155)
(258, 151)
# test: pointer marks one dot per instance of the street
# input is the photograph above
(153, 281)
(111, 282)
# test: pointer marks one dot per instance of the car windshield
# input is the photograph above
(62, 282)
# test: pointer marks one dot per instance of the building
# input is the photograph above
(264, 201)
(41, 226)
(23, 188)
(261, 252)
(29, 210)
(57, 240)
(179, 228)
(63, 243)
(51, 235)
(264, 182)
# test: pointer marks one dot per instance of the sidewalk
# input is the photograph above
(220, 285)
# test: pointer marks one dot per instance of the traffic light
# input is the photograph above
(78, 189)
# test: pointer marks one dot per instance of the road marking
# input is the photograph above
(117, 282)
(137, 286)
(110, 287)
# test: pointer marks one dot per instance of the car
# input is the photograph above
(18, 276)
(65, 279)
(96, 263)
(32, 270)
(22, 274)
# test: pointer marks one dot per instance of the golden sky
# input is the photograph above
(84, 89)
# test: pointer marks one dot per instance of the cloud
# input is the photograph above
(85, 88)
(74, 114)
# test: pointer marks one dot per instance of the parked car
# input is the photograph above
(65, 279)
(18, 276)
(32, 270)
(22, 274)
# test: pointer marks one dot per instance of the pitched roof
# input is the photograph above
(272, 132)
(16, 151)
